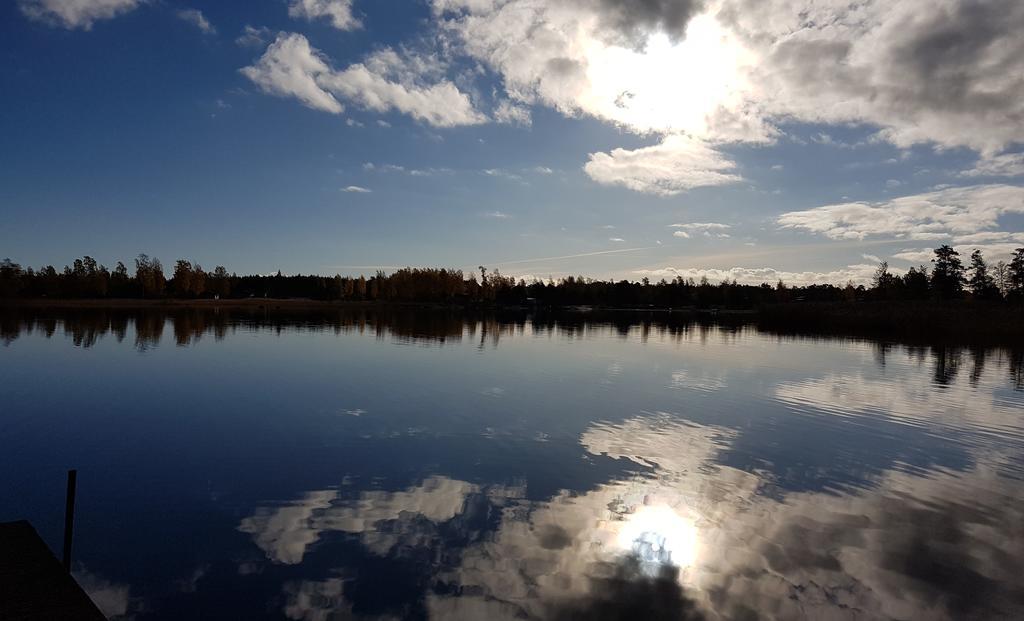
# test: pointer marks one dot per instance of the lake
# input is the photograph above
(400, 463)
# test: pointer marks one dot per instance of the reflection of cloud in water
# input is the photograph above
(689, 539)
(548, 558)
(946, 546)
(323, 600)
(657, 440)
(908, 398)
(284, 533)
(112, 599)
(682, 380)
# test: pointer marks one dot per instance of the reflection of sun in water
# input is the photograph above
(659, 535)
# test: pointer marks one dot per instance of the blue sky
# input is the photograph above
(732, 138)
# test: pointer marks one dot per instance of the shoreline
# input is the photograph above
(963, 322)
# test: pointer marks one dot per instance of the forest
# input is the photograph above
(947, 278)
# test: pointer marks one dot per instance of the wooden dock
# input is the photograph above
(33, 583)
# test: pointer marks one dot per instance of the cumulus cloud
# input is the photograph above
(996, 246)
(291, 68)
(610, 60)
(677, 164)
(72, 14)
(700, 226)
(859, 274)
(931, 216)
(197, 19)
(706, 229)
(512, 113)
(384, 81)
(253, 37)
(946, 73)
(1006, 165)
(338, 12)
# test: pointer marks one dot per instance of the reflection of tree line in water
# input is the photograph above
(86, 326)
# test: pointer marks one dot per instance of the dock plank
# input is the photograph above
(33, 583)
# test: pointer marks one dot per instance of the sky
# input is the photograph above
(744, 139)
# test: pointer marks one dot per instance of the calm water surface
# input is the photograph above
(386, 464)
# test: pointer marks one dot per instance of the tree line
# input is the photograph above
(946, 279)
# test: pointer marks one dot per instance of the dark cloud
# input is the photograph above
(950, 72)
(634, 20)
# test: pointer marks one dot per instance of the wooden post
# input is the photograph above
(69, 518)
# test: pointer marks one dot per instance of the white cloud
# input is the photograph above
(923, 71)
(383, 167)
(291, 68)
(512, 113)
(504, 174)
(616, 239)
(930, 216)
(338, 12)
(253, 37)
(542, 170)
(871, 257)
(997, 247)
(383, 123)
(700, 226)
(682, 234)
(989, 237)
(1007, 165)
(497, 214)
(677, 164)
(384, 81)
(197, 19)
(595, 57)
(357, 189)
(859, 274)
(72, 14)
(920, 71)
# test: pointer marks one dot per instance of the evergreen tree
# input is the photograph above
(1016, 273)
(947, 273)
(981, 284)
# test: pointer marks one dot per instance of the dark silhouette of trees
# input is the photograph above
(982, 286)
(149, 276)
(219, 283)
(1016, 274)
(86, 278)
(947, 273)
(885, 283)
(10, 278)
